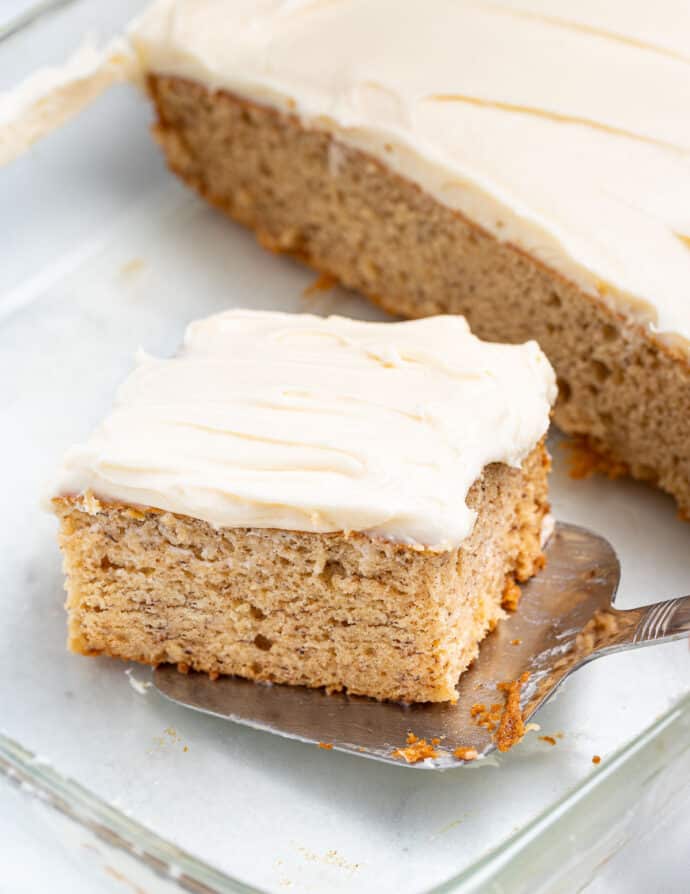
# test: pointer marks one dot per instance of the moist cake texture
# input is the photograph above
(535, 204)
(314, 501)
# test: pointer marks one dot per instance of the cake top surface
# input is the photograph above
(306, 423)
(559, 126)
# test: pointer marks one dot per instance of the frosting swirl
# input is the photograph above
(317, 424)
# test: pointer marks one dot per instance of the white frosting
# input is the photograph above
(298, 422)
(51, 96)
(562, 127)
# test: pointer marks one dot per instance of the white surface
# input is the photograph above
(78, 210)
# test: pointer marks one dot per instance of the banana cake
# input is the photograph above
(314, 501)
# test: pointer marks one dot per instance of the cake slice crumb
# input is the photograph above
(585, 460)
(324, 282)
(511, 728)
(511, 596)
(466, 754)
(416, 750)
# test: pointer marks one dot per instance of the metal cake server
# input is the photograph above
(566, 618)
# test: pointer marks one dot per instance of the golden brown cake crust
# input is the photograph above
(351, 218)
(340, 611)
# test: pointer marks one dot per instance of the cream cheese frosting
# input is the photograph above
(561, 127)
(305, 423)
(52, 95)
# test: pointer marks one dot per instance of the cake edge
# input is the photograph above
(430, 567)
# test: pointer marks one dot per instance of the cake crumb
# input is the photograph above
(600, 630)
(511, 596)
(90, 503)
(585, 460)
(550, 740)
(131, 267)
(213, 676)
(511, 727)
(436, 741)
(466, 754)
(169, 739)
(182, 667)
(487, 717)
(596, 759)
(324, 282)
(516, 642)
(327, 746)
(416, 750)
(330, 858)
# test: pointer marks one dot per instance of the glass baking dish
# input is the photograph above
(103, 252)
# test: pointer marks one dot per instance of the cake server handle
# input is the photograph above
(634, 627)
(661, 621)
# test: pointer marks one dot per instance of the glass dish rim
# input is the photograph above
(41, 781)
(175, 864)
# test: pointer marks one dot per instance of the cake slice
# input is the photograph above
(323, 502)
(524, 164)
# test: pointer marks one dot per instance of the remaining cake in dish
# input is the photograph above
(314, 501)
(523, 163)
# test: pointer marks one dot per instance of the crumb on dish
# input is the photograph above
(585, 460)
(324, 282)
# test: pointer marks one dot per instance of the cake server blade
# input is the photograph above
(565, 618)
